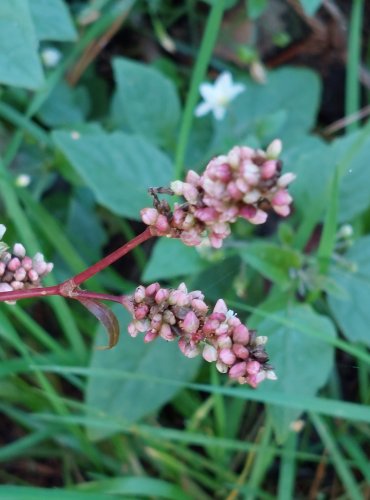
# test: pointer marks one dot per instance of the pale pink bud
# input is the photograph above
(224, 341)
(132, 329)
(178, 217)
(253, 367)
(240, 351)
(190, 351)
(220, 307)
(149, 216)
(238, 370)
(162, 295)
(27, 263)
(259, 218)
(156, 321)
(14, 264)
(274, 149)
(268, 169)
(19, 250)
(49, 267)
(166, 333)
(248, 212)
(161, 224)
(17, 285)
(227, 356)
(191, 238)
(191, 193)
(252, 196)
(141, 312)
(241, 334)
(234, 191)
(177, 187)
(216, 242)
(221, 367)
(169, 317)
(282, 197)
(139, 294)
(250, 172)
(152, 289)
(242, 185)
(199, 306)
(209, 353)
(222, 329)
(150, 336)
(192, 177)
(33, 275)
(286, 179)
(2, 268)
(190, 323)
(208, 214)
(5, 287)
(283, 210)
(20, 274)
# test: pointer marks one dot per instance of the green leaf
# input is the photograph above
(256, 8)
(64, 106)
(352, 311)
(19, 62)
(119, 168)
(311, 6)
(134, 399)
(52, 20)
(302, 363)
(29, 493)
(145, 102)
(171, 258)
(271, 260)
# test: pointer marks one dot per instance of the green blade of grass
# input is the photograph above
(342, 468)
(288, 469)
(352, 100)
(357, 454)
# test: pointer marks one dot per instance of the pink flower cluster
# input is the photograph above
(220, 336)
(244, 183)
(17, 270)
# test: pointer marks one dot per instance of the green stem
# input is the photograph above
(352, 102)
(204, 56)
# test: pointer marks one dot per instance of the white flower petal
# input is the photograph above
(203, 108)
(207, 91)
(219, 112)
(224, 81)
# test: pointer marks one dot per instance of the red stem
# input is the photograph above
(112, 257)
(69, 288)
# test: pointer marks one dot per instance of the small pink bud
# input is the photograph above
(206, 214)
(248, 212)
(240, 351)
(227, 356)
(161, 224)
(286, 179)
(156, 321)
(149, 216)
(132, 329)
(190, 351)
(141, 312)
(152, 289)
(221, 367)
(177, 187)
(283, 210)
(238, 370)
(282, 197)
(199, 306)
(139, 294)
(150, 336)
(234, 191)
(259, 218)
(33, 276)
(193, 178)
(268, 169)
(14, 264)
(209, 353)
(166, 333)
(2, 268)
(241, 335)
(20, 274)
(19, 250)
(5, 287)
(274, 149)
(220, 307)
(253, 367)
(17, 285)
(190, 323)
(27, 263)
(162, 295)
(252, 196)
(190, 193)
(224, 341)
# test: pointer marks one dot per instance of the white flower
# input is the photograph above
(217, 96)
(50, 56)
(23, 180)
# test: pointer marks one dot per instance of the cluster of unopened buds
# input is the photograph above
(243, 183)
(19, 271)
(220, 337)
